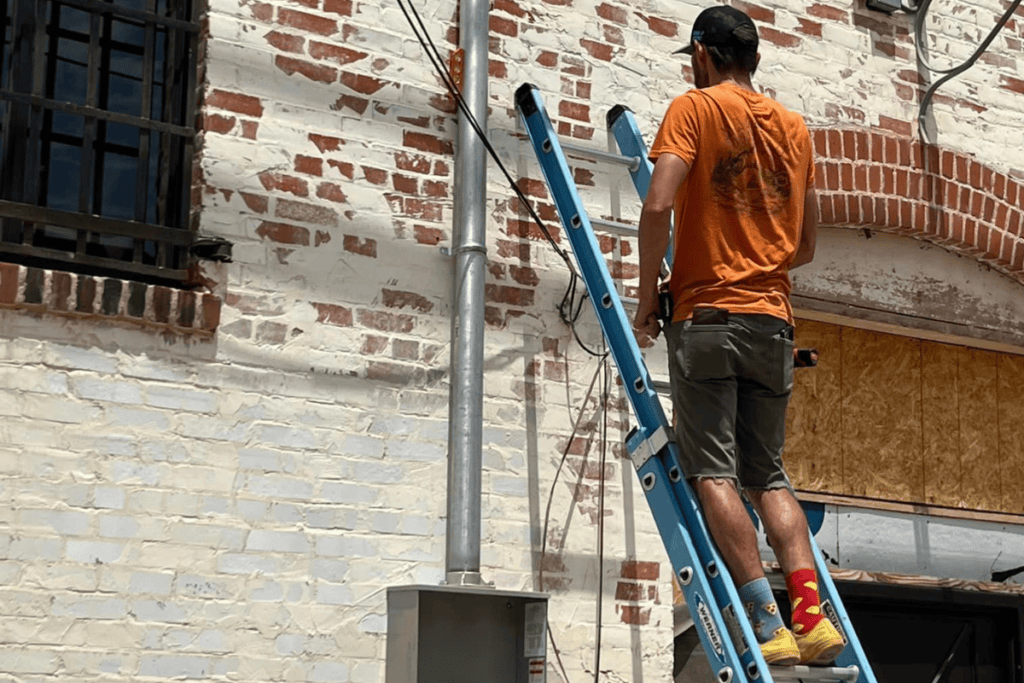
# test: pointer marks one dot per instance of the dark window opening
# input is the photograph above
(97, 102)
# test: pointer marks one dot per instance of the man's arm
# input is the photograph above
(808, 231)
(655, 227)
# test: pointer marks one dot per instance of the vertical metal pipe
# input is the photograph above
(465, 414)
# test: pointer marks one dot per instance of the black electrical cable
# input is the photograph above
(437, 61)
(921, 9)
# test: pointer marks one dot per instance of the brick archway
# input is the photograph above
(890, 183)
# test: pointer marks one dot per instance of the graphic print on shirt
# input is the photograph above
(738, 182)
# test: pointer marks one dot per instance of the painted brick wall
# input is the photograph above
(233, 505)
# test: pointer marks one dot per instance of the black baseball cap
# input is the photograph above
(717, 26)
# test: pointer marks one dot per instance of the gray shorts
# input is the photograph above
(731, 384)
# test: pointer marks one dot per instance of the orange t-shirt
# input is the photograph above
(739, 212)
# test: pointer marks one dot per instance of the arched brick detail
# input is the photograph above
(872, 179)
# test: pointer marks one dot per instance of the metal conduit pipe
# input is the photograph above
(465, 413)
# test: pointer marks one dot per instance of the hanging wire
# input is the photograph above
(437, 61)
(606, 382)
(920, 10)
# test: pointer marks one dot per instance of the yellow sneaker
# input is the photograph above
(821, 645)
(782, 649)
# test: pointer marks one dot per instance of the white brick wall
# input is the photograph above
(235, 508)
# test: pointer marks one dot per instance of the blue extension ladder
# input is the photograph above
(725, 631)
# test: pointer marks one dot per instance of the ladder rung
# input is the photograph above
(815, 673)
(614, 226)
(632, 163)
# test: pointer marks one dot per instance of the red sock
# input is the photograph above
(803, 599)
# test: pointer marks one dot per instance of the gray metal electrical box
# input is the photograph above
(464, 634)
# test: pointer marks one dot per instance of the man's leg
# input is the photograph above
(731, 527)
(734, 534)
(785, 525)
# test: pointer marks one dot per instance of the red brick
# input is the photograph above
(314, 72)
(1012, 84)
(364, 247)
(808, 27)
(503, 26)
(880, 26)
(601, 51)
(331, 192)
(60, 291)
(263, 11)
(215, 123)
(356, 104)
(335, 53)
(662, 27)
(307, 213)
(548, 59)
(333, 314)
(828, 12)
(412, 163)
(496, 69)
(383, 321)
(757, 12)
(8, 283)
(343, 167)
(629, 591)
(508, 7)
(573, 110)
(429, 236)
(307, 22)
(249, 129)
(394, 298)
(642, 570)
(427, 143)
(211, 305)
(284, 183)
(635, 615)
(374, 344)
(895, 125)
(286, 41)
(512, 296)
(322, 237)
(403, 183)
(364, 85)
(283, 233)
(342, 7)
(375, 175)
(238, 103)
(612, 13)
(404, 349)
(309, 165)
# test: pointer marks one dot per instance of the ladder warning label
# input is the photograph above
(704, 614)
(830, 614)
(732, 624)
(535, 629)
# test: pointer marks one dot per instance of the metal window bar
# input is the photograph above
(29, 226)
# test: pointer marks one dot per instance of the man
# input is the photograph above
(737, 170)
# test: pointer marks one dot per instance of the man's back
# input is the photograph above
(739, 211)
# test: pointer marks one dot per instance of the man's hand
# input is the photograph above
(646, 326)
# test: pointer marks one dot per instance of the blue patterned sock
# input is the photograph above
(761, 608)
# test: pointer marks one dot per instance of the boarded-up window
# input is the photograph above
(896, 418)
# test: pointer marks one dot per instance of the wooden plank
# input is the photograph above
(1010, 370)
(979, 437)
(813, 454)
(881, 421)
(940, 424)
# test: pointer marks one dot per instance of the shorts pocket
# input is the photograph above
(782, 365)
(706, 352)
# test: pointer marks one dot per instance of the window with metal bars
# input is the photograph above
(97, 102)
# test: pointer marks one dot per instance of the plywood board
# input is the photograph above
(979, 435)
(1010, 370)
(813, 454)
(881, 421)
(940, 414)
